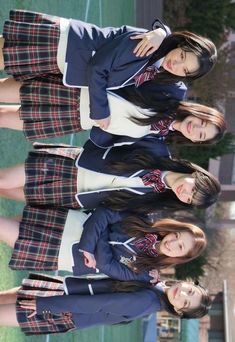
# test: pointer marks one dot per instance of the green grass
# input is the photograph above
(13, 149)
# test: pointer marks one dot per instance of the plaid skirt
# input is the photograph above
(31, 44)
(42, 286)
(51, 180)
(40, 234)
(48, 108)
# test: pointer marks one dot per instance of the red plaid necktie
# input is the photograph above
(162, 126)
(153, 179)
(146, 244)
(147, 75)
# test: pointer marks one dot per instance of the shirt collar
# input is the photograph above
(163, 175)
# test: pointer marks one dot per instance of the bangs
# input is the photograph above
(203, 194)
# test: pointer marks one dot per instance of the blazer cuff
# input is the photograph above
(159, 24)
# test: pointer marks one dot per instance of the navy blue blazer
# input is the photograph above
(95, 58)
(98, 159)
(103, 307)
(102, 226)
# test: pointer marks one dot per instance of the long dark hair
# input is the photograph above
(202, 310)
(207, 187)
(202, 47)
(136, 226)
(179, 111)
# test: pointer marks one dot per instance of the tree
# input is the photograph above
(193, 269)
(201, 154)
(211, 18)
(216, 85)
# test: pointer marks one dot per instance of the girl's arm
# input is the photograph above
(96, 225)
(112, 303)
(107, 264)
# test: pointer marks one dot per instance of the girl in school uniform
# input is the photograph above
(174, 121)
(46, 305)
(61, 55)
(127, 177)
(122, 246)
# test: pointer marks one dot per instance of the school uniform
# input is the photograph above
(55, 238)
(49, 102)
(86, 304)
(114, 250)
(85, 182)
(122, 129)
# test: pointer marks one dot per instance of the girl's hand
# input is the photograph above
(29, 305)
(104, 123)
(89, 260)
(155, 275)
(150, 42)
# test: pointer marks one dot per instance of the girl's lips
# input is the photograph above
(178, 189)
(169, 65)
(189, 126)
(175, 292)
(167, 246)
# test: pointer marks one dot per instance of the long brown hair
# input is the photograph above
(136, 226)
(179, 111)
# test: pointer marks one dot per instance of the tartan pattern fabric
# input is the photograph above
(162, 126)
(153, 179)
(30, 49)
(146, 244)
(147, 75)
(51, 180)
(48, 108)
(40, 234)
(42, 286)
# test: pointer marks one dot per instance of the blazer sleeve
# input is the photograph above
(109, 265)
(106, 59)
(134, 303)
(95, 225)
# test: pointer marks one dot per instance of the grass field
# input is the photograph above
(13, 149)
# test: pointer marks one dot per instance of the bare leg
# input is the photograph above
(9, 296)
(1, 53)
(9, 90)
(12, 177)
(8, 315)
(16, 194)
(9, 117)
(9, 230)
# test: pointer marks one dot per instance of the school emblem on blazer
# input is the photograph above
(126, 261)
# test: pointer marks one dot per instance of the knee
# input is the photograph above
(4, 184)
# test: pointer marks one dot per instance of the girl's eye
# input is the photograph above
(182, 55)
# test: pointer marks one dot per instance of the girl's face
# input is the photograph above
(184, 296)
(177, 244)
(196, 129)
(184, 187)
(180, 62)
